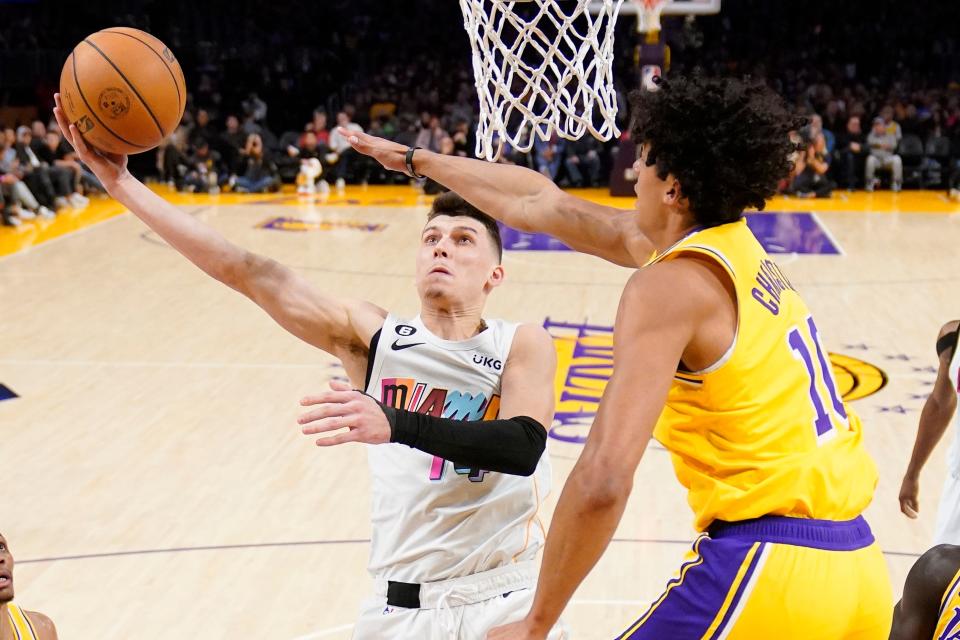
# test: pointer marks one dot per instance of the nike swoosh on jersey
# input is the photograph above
(400, 347)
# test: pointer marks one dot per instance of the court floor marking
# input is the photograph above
(826, 230)
(319, 543)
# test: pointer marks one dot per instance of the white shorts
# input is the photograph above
(948, 514)
(458, 609)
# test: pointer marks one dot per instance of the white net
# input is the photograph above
(541, 67)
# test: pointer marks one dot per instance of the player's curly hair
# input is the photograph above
(726, 141)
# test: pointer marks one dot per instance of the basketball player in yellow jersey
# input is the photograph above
(930, 608)
(17, 623)
(717, 356)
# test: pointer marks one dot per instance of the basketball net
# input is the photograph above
(648, 16)
(544, 73)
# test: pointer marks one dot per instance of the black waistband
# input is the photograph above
(403, 594)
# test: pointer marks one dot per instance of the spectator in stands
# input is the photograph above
(548, 155)
(259, 172)
(173, 157)
(18, 191)
(8, 212)
(883, 143)
(463, 144)
(202, 129)
(205, 170)
(812, 180)
(582, 161)
(50, 185)
(431, 133)
(319, 127)
(311, 149)
(342, 155)
(56, 153)
(851, 153)
(232, 140)
(890, 126)
(816, 128)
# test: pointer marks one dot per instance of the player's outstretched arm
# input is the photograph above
(934, 419)
(916, 615)
(523, 199)
(512, 443)
(336, 326)
(656, 327)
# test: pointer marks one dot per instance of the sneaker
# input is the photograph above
(11, 221)
(77, 201)
(26, 214)
(341, 184)
(323, 187)
(46, 213)
(955, 194)
(60, 203)
(871, 185)
(896, 187)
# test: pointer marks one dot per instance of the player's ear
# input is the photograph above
(672, 194)
(496, 276)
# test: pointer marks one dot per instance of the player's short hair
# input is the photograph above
(726, 141)
(452, 204)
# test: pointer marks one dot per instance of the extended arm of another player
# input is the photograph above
(514, 442)
(655, 329)
(915, 616)
(934, 419)
(523, 199)
(293, 302)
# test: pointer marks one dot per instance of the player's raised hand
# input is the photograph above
(910, 496)
(390, 154)
(344, 408)
(108, 167)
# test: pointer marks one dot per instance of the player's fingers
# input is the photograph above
(332, 423)
(340, 438)
(323, 411)
(79, 144)
(340, 385)
(337, 397)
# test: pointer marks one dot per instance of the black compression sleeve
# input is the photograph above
(948, 341)
(511, 446)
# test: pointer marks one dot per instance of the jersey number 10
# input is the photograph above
(801, 347)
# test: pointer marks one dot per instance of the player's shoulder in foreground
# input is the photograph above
(934, 571)
(531, 341)
(42, 624)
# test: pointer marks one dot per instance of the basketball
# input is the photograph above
(123, 89)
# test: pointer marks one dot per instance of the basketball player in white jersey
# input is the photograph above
(937, 412)
(456, 487)
(17, 623)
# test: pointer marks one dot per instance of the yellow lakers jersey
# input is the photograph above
(948, 624)
(764, 430)
(22, 627)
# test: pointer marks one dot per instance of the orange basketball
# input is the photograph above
(124, 90)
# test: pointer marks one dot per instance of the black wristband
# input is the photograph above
(409, 160)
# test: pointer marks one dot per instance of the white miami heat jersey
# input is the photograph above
(947, 529)
(433, 520)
